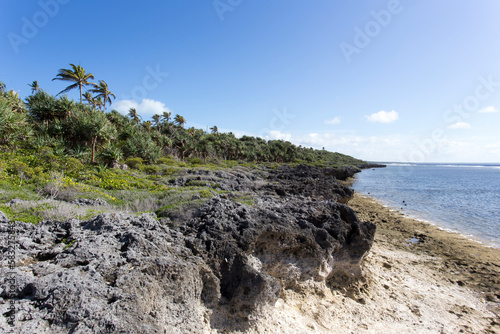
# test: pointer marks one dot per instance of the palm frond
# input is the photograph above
(67, 89)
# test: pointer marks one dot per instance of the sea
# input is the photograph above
(463, 198)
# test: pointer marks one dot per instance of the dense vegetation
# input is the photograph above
(63, 127)
(52, 146)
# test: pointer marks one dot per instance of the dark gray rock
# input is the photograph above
(111, 276)
(88, 202)
(308, 181)
(3, 217)
(217, 269)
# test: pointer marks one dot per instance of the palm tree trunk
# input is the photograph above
(104, 103)
(81, 99)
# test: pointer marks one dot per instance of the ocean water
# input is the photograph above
(463, 198)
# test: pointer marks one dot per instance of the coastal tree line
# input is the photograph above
(86, 131)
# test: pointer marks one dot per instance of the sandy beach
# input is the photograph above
(445, 283)
(448, 260)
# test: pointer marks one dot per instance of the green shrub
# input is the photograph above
(231, 163)
(13, 125)
(134, 162)
(166, 160)
(195, 161)
(152, 169)
(73, 165)
(205, 193)
(110, 155)
(168, 171)
(141, 145)
(16, 167)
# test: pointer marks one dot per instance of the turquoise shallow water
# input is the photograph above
(464, 198)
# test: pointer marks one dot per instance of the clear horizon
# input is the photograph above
(400, 81)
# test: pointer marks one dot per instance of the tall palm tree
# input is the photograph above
(102, 91)
(134, 116)
(78, 76)
(156, 119)
(167, 115)
(180, 120)
(34, 87)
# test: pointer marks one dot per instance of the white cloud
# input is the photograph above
(333, 121)
(459, 125)
(489, 109)
(280, 135)
(383, 117)
(146, 108)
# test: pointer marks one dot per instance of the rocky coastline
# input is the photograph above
(214, 268)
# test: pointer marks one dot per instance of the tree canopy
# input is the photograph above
(89, 134)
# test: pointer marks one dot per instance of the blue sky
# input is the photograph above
(390, 80)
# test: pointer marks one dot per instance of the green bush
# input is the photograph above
(231, 163)
(14, 128)
(73, 165)
(167, 171)
(166, 160)
(152, 169)
(141, 145)
(205, 193)
(134, 162)
(16, 167)
(110, 155)
(195, 161)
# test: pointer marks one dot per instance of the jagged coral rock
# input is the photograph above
(217, 269)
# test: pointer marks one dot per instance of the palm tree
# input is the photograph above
(76, 75)
(180, 120)
(89, 99)
(167, 115)
(134, 116)
(214, 129)
(102, 91)
(156, 119)
(98, 102)
(34, 87)
(2, 87)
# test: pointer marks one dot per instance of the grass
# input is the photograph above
(245, 199)
(47, 184)
(37, 211)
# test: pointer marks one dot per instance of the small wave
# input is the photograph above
(457, 165)
(465, 165)
(401, 164)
